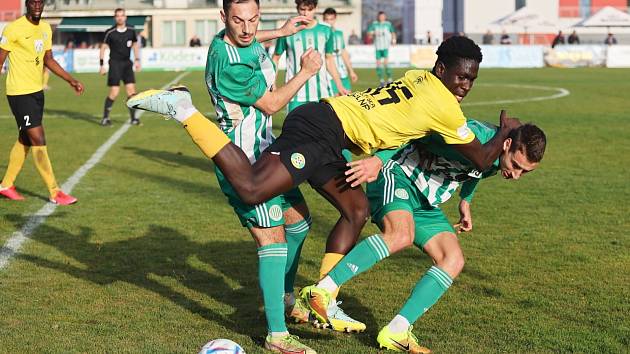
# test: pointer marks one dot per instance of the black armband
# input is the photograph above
(101, 62)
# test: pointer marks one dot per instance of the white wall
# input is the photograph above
(428, 17)
(479, 13)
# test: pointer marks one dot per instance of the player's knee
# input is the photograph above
(453, 263)
(251, 195)
(359, 214)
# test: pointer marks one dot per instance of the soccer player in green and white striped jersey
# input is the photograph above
(383, 34)
(342, 58)
(404, 203)
(240, 78)
(319, 37)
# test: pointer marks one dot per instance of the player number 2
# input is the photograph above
(27, 121)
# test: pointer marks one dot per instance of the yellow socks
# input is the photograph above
(329, 261)
(16, 161)
(208, 137)
(42, 162)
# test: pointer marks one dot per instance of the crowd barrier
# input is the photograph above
(362, 56)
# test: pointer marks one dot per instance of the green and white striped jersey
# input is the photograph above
(338, 47)
(437, 169)
(382, 34)
(236, 78)
(319, 38)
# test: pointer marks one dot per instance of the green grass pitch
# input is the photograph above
(152, 258)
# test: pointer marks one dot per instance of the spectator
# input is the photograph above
(610, 40)
(461, 34)
(142, 39)
(558, 40)
(488, 38)
(505, 38)
(354, 39)
(573, 38)
(429, 37)
(69, 46)
(195, 41)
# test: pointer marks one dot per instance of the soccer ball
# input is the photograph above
(221, 346)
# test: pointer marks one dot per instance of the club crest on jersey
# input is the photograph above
(298, 161)
(401, 193)
(275, 213)
(39, 45)
(129, 43)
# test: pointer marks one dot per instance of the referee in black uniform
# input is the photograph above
(120, 38)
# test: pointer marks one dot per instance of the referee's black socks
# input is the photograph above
(108, 107)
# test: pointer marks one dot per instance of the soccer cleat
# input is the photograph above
(11, 193)
(298, 312)
(135, 121)
(400, 342)
(63, 199)
(164, 102)
(339, 321)
(287, 345)
(106, 122)
(317, 300)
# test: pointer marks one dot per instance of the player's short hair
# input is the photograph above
(456, 48)
(228, 3)
(529, 139)
(310, 3)
(120, 9)
(330, 11)
(380, 13)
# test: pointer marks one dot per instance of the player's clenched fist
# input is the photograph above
(311, 61)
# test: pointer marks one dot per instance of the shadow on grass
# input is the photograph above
(173, 159)
(227, 274)
(90, 118)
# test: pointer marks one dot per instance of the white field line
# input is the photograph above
(559, 92)
(17, 239)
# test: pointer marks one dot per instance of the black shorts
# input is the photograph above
(120, 70)
(310, 144)
(28, 109)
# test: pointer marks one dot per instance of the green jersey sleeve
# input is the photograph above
(330, 42)
(241, 83)
(281, 46)
(391, 27)
(468, 189)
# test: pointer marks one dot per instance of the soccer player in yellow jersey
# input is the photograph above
(313, 136)
(27, 42)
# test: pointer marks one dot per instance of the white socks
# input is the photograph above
(328, 284)
(399, 324)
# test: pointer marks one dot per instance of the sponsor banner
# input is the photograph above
(364, 56)
(423, 56)
(86, 60)
(174, 59)
(65, 59)
(573, 56)
(512, 56)
(618, 56)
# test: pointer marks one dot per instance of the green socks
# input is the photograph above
(388, 72)
(361, 258)
(272, 260)
(295, 235)
(426, 293)
(380, 73)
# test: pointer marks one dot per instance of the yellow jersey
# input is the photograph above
(407, 109)
(26, 44)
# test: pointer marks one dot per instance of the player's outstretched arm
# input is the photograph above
(292, 26)
(482, 156)
(334, 73)
(52, 64)
(274, 101)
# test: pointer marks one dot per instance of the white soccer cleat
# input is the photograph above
(166, 102)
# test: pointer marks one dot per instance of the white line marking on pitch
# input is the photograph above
(13, 245)
(560, 92)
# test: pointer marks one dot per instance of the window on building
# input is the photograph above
(174, 33)
(585, 8)
(520, 3)
(205, 30)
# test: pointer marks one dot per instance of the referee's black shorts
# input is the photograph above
(310, 144)
(28, 109)
(120, 70)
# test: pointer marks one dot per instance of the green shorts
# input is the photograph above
(268, 214)
(382, 54)
(344, 81)
(393, 190)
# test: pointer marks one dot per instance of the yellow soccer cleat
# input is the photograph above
(298, 312)
(339, 321)
(288, 344)
(400, 342)
(317, 300)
